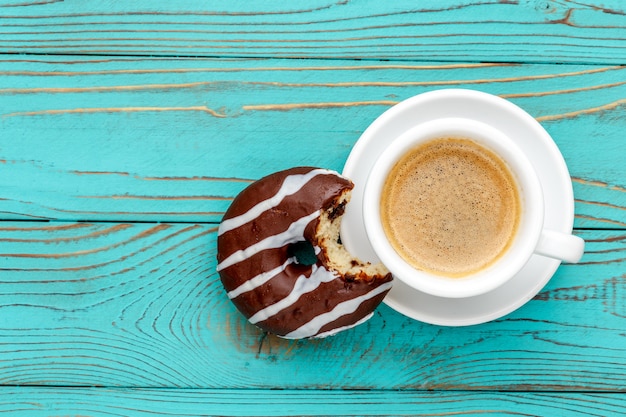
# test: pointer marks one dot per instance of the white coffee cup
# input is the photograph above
(529, 239)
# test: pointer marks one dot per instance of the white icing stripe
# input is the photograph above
(260, 279)
(341, 329)
(293, 234)
(291, 185)
(347, 307)
(302, 286)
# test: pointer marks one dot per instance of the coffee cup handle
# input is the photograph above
(563, 246)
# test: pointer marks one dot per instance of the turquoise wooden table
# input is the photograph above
(126, 129)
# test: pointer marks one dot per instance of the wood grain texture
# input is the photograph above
(27, 402)
(553, 31)
(140, 305)
(132, 126)
(149, 139)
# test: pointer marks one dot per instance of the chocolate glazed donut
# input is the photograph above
(273, 286)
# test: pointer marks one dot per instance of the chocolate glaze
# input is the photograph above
(267, 285)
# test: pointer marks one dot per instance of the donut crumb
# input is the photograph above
(337, 257)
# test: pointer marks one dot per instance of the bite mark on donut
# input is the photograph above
(335, 254)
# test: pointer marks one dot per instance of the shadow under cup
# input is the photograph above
(522, 244)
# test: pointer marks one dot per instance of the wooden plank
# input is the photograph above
(37, 401)
(460, 30)
(140, 305)
(155, 139)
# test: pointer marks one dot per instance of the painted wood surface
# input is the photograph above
(140, 304)
(458, 30)
(160, 139)
(202, 402)
(126, 128)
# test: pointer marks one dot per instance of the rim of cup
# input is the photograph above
(528, 230)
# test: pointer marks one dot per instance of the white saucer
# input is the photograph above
(528, 134)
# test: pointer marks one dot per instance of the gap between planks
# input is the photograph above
(444, 59)
(566, 390)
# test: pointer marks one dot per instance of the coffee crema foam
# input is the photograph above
(450, 207)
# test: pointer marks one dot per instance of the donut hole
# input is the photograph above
(304, 252)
